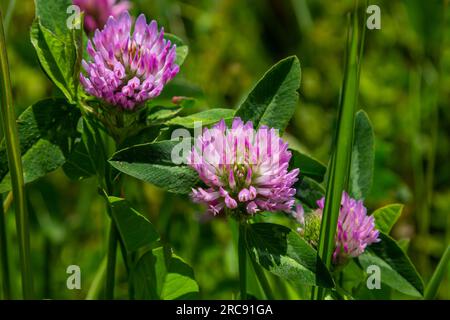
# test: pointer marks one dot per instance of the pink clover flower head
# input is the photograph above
(355, 230)
(245, 170)
(128, 68)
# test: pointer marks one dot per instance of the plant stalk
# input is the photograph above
(8, 118)
(438, 275)
(4, 257)
(242, 258)
(97, 283)
(341, 157)
(111, 261)
(113, 239)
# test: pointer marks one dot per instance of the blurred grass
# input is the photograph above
(405, 89)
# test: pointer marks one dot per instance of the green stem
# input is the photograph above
(114, 239)
(242, 256)
(4, 254)
(339, 168)
(48, 254)
(438, 275)
(111, 261)
(8, 118)
(262, 280)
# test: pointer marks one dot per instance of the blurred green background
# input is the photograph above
(405, 89)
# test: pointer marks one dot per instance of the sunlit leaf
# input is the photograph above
(59, 49)
(387, 216)
(273, 100)
(203, 118)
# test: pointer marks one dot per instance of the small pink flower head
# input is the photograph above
(97, 12)
(128, 68)
(245, 170)
(355, 229)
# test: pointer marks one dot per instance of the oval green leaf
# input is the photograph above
(361, 168)
(135, 230)
(46, 130)
(204, 118)
(387, 216)
(273, 100)
(152, 162)
(59, 49)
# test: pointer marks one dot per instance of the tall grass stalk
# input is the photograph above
(97, 283)
(438, 275)
(343, 140)
(8, 15)
(4, 257)
(8, 118)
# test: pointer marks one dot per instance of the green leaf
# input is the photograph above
(438, 275)
(46, 131)
(53, 14)
(59, 49)
(387, 216)
(135, 230)
(308, 166)
(161, 114)
(205, 118)
(159, 274)
(361, 169)
(152, 162)
(79, 166)
(397, 270)
(282, 252)
(94, 147)
(182, 49)
(273, 100)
